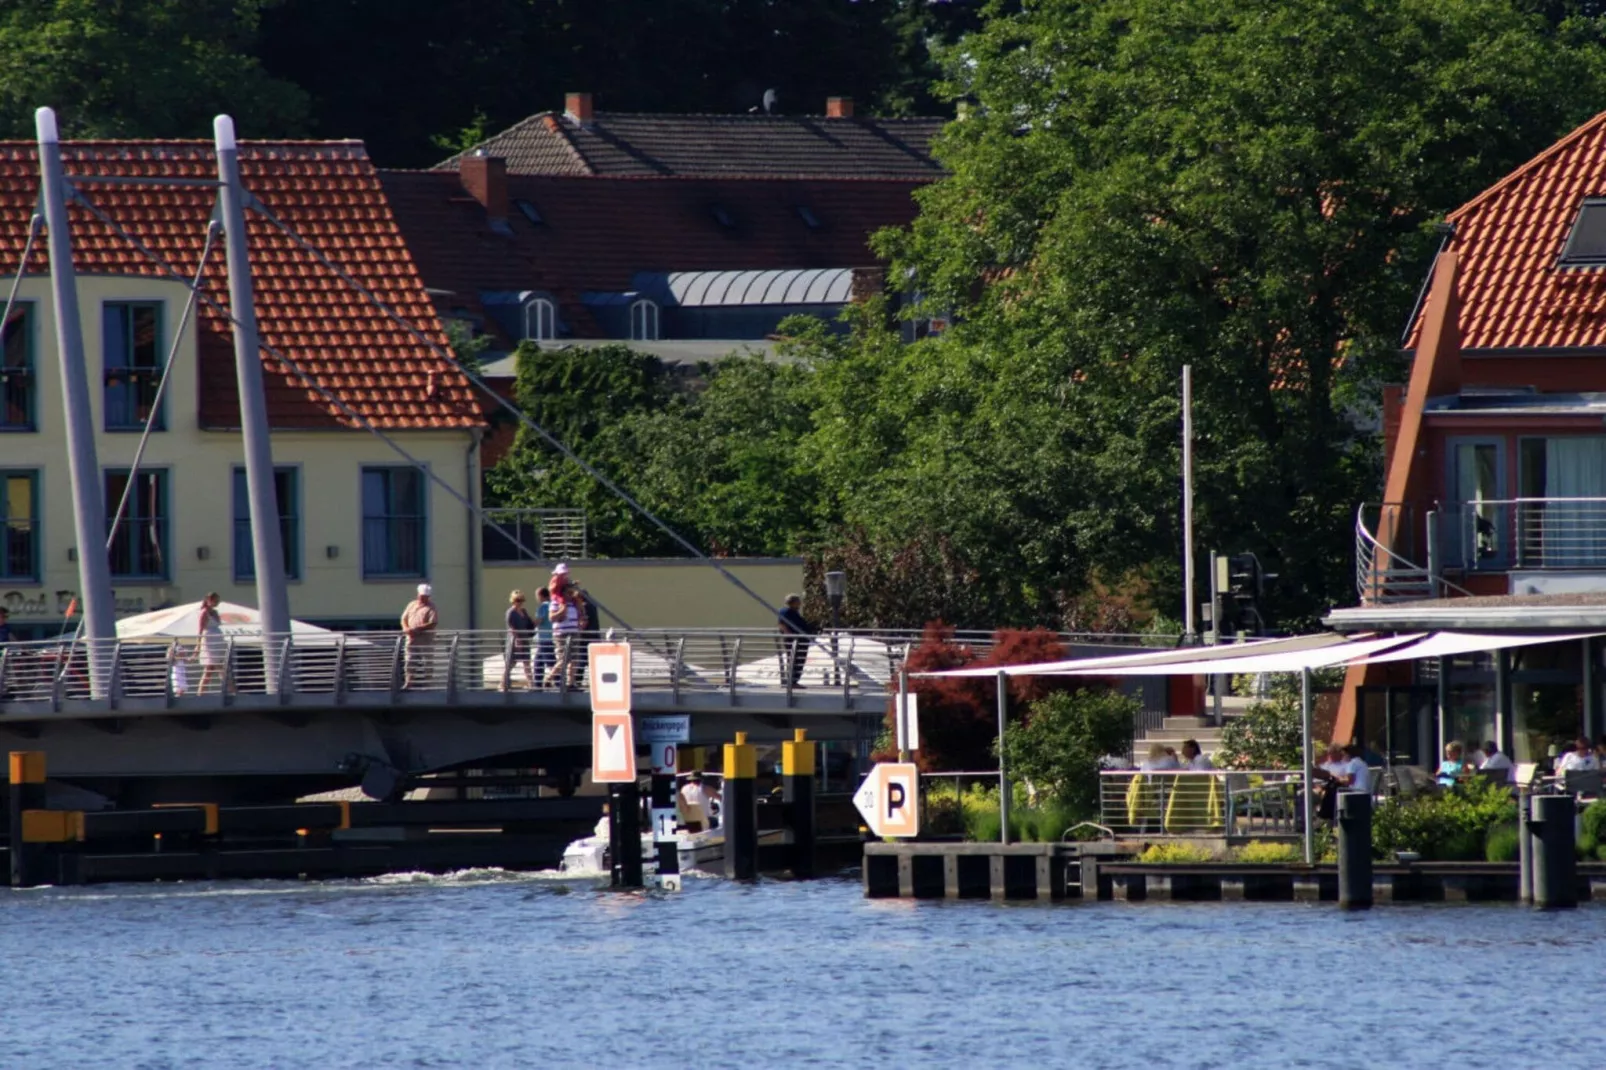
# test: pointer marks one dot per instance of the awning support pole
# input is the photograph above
(1306, 731)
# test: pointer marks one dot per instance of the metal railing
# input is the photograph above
(1538, 533)
(545, 534)
(1215, 803)
(192, 672)
(1385, 542)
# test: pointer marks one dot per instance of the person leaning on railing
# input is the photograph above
(418, 623)
(516, 648)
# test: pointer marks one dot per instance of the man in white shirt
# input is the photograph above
(1495, 759)
(1581, 757)
(1354, 774)
(1194, 758)
(694, 804)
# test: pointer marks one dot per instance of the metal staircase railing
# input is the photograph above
(1381, 574)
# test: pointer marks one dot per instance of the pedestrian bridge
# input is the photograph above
(290, 714)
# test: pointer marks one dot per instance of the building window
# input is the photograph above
(132, 341)
(393, 522)
(540, 320)
(19, 523)
(286, 488)
(140, 549)
(16, 371)
(644, 321)
(1586, 242)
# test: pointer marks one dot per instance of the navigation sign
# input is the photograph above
(889, 799)
(665, 758)
(610, 677)
(664, 728)
(613, 748)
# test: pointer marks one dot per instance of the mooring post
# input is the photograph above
(624, 834)
(27, 778)
(797, 792)
(1355, 850)
(739, 809)
(1555, 865)
(1525, 855)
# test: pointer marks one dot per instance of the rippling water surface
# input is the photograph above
(491, 969)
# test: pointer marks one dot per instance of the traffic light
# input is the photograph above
(1243, 601)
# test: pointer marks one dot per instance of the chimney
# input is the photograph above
(839, 107)
(485, 179)
(577, 108)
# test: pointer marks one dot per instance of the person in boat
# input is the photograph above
(694, 804)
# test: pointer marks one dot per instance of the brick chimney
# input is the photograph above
(577, 108)
(485, 179)
(839, 107)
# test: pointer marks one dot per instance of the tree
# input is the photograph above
(1059, 745)
(1242, 185)
(141, 68)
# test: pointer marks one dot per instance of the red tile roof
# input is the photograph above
(632, 144)
(597, 233)
(329, 193)
(1513, 295)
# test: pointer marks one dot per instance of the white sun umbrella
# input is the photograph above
(243, 624)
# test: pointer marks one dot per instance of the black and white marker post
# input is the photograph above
(664, 761)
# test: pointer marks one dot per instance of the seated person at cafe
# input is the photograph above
(1344, 770)
(1581, 757)
(1494, 758)
(1193, 757)
(1453, 768)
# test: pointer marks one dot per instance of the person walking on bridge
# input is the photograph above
(418, 623)
(213, 649)
(798, 629)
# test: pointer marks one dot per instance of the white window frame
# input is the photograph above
(645, 320)
(540, 319)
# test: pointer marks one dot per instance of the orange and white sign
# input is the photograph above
(613, 748)
(889, 799)
(610, 677)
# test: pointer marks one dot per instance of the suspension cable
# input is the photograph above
(35, 224)
(317, 387)
(262, 210)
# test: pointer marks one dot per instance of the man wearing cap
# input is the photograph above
(418, 623)
(798, 629)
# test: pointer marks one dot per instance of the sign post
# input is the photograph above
(613, 757)
(664, 734)
(889, 799)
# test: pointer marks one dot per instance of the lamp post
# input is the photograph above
(836, 588)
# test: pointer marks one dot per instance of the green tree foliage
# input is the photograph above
(1057, 747)
(141, 68)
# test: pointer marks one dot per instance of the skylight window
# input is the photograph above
(810, 220)
(529, 211)
(1586, 243)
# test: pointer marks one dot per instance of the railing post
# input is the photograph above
(847, 675)
(783, 647)
(3, 653)
(1432, 529)
(167, 675)
(1230, 823)
(396, 670)
(680, 661)
(227, 684)
(730, 675)
(340, 670)
(286, 677)
(451, 669)
(507, 662)
(114, 690)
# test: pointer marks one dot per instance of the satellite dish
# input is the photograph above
(770, 100)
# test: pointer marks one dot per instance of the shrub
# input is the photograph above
(1267, 736)
(1593, 821)
(1501, 844)
(1445, 827)
(1267, 854)
(1177, 853)
(1063, 737)
(941, 815)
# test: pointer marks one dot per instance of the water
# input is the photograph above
(490, 969)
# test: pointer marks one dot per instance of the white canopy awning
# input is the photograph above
(184, 622)
(1275, 655)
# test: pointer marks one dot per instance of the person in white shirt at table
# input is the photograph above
(1194, 758)
(1493, 758)
(1580, 758)
(1353, 773)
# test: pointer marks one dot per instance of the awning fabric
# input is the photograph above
(1275, 655)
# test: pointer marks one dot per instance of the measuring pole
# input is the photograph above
(1188, 630)
(89, 503)
(665, 760)
(267, 550)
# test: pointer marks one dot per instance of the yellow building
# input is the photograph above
(362, 524)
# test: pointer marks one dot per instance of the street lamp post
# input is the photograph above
(836, 588)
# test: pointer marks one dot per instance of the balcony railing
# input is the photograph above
(541, 534)
(1523, 533)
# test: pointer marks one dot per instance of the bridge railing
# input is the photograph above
(852, 663)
